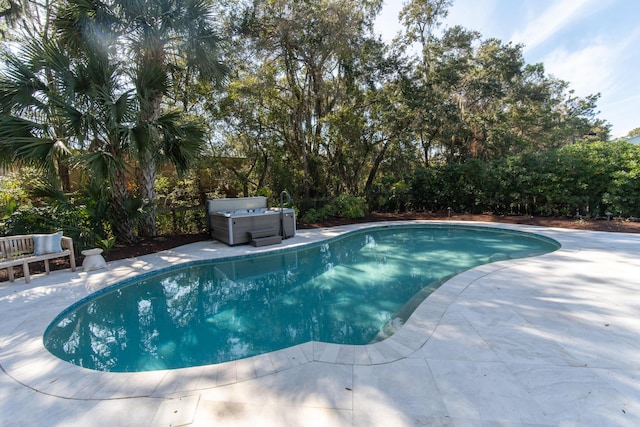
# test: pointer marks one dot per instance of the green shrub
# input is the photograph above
(424, 189)
(264, 191)
(49, 219)
(44, 209)
(15, 188)
(586, 177)
(181, 220)
(343, 206)
(346, 206)
(179, 210)
(390, 195)
(313, 215)
(106, 244)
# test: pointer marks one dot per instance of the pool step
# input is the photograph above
(264, 241)
(264, 237)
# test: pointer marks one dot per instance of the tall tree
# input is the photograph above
(311, 47)
(432, 72)
(633, 132)
(465, 97)
(164, 36)
(31, 22)
(157, 40)
(421, 18)
(51, 104)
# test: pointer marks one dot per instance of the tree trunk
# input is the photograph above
(65, 178)
(374, 168)
(147, 189)
(426, 146)
(265, 168)
(120, 221)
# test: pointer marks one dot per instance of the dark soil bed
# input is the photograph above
(150, 245)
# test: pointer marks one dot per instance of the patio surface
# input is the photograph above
(545, 341)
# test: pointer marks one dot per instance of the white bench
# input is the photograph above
(21, 250)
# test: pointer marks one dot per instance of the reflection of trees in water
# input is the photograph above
(341, 292)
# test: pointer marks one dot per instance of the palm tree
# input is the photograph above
(28, 132)
(165, 37)
(99, 87)
(159, 39)
(53, 106)
(11, 11)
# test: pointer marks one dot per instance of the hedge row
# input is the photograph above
(586, 178)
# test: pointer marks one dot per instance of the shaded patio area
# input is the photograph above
(545, 341)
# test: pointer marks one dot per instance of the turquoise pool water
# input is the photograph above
(355, 289)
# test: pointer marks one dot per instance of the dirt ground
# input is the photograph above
(150, 245)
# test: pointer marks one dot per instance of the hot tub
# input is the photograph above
(241, 220)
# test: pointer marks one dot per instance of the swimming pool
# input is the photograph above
(355, 289)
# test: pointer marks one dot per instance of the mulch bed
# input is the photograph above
(572, 223)
(151, 245)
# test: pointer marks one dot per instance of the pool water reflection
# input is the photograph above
(354, 289)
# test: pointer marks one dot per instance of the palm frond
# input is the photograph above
(20, 86)
(84, 25)
(102, 166)
(182, 139)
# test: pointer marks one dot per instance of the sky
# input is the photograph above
(592, 44)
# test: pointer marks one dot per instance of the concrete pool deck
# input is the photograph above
(545, 341)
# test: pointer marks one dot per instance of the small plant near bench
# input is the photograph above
(25, 249)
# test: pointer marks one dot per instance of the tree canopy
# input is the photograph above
(303, 94)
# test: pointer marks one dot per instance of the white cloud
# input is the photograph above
(475, 15)
(592, 44)
(589, 70)
(596, 67)
(603, 66)
(387, 23)
(552, 20)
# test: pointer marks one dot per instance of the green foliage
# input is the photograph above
(186, 220)
(424, 188)
(106, 244)
(14, 190)
(21, 211)
(586, 178)
(343, 206)
(177, 196)
(314, 215)
(175, 191)
(49, 219)
(41, 208)
(263, 191)
(390, 195)
(316, 104)
(346, 206)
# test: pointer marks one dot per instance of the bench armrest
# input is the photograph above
(66, 243)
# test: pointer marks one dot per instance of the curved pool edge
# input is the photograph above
(25, 359)
(276, 250)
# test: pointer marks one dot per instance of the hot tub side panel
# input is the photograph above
(289, 223)
(242, 225)
(234, 230)
(220, 228)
